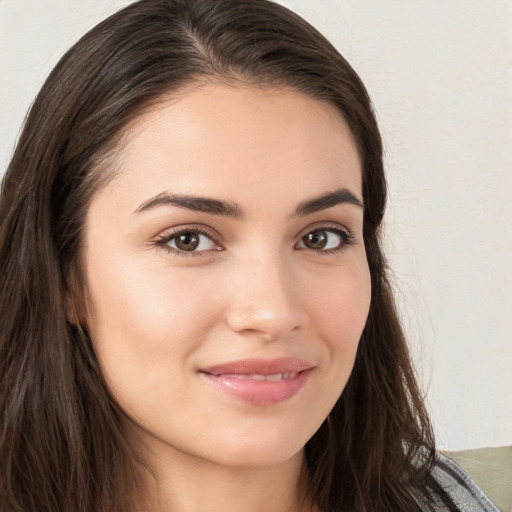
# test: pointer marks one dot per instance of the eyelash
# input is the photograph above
(347, 239)
(164, 240)
(346, 236)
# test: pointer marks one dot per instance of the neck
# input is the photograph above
(188, 484)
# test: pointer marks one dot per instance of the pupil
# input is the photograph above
(316, 240)
(187, 241)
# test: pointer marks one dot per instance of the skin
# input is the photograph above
(252, 290)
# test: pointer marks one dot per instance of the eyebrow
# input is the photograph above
(325, 201)
(195, 203)
(230, 209)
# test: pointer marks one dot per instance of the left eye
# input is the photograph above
(324, 240)
(190, 241)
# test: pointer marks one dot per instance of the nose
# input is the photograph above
(264, 300)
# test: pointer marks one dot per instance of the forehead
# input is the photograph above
(219, 139)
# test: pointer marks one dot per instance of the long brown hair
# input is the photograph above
(61, 443)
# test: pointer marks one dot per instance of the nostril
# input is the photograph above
(269, 325)
(263, 299)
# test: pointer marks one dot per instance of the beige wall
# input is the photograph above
(440, 74)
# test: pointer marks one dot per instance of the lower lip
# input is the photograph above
(259, 392)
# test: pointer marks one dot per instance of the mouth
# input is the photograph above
(258, 381)
(276, 377)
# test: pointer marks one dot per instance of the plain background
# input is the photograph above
(440, 75)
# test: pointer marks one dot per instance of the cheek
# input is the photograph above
(339, 308)
(144, 321)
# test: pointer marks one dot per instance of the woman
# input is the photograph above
(196, 313)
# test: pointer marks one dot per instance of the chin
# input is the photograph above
(257, 447)
(258, 455)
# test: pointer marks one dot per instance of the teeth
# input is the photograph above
(254, 376)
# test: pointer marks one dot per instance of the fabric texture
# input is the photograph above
(491, 470)
(464, 493)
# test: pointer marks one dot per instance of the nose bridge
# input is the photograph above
(265, 301)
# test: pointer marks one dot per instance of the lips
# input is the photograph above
(260, 381)
(275, 377)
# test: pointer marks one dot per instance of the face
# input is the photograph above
(226, 273)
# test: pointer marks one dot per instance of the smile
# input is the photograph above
(254, 376)
(260, 382)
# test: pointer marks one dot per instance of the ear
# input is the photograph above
(72, 315)
(74, 303)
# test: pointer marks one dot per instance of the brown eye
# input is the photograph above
(316, 240)
(187, 241)
(326, 240)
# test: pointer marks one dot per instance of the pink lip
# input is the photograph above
(260, 381)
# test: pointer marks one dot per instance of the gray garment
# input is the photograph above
(461, 489)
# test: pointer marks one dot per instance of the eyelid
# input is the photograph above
(163, 239)
(333, 226)
(348, 236)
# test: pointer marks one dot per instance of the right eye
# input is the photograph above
(189, 242)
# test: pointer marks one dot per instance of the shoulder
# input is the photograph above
(462, 491)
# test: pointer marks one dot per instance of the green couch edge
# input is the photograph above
(491, 470)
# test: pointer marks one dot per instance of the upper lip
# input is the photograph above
(259, 366)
